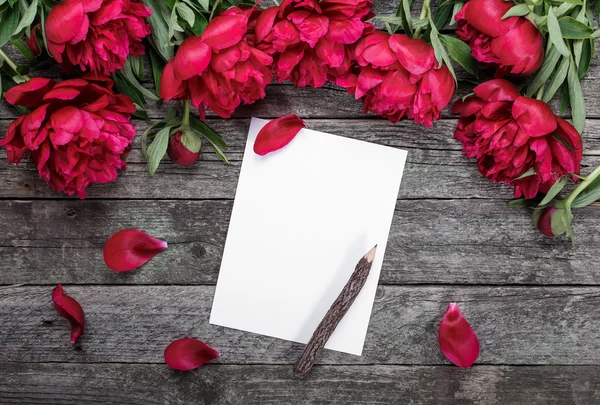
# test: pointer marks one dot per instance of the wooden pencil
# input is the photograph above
(335, 314)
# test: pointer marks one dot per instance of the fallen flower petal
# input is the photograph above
(457, 339)
(69, 309)
(130, 248)
(188, 353)
(277, 134)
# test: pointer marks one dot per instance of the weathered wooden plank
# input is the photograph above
(436, 167)
(119, 384)
(431, 241)
(134, 324)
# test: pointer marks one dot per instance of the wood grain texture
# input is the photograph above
(134, 324)
(431, 241)
(118, 384)
(436, 167)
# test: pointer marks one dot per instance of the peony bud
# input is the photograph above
(552, 221)
(179, 154)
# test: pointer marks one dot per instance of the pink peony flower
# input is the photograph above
(97, 35)
(310, 39)
(513, 45)
(398, 77)
(220, 69)
(77, 131)
(510, 134)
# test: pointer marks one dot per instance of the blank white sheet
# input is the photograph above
(302, 218)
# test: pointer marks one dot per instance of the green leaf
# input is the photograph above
(8, 25)
(573, 29)
(186, 13)
(28, 17)
(576, 98)
(556, 35)
(543, 74)
(563, 9)
(461, 53)
(596, 34)
(521, 202)
(574, 2)
(586, 58)
(157, 149)
(442, 13)
(205, 4)
(157, 67)
(207, 132)
(528, 173)
(199, 24)
(21, 46)
(160, 29)
(133, 81)
(557, 80)
(190, 139)
(517, 11)
(554, 190)
(588, 196)
(564, 99)
(440, 51)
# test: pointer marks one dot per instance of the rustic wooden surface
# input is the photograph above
(532, 301)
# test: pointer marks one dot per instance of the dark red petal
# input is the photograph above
(30, 93)
(277, 133)
(130, 248)
(32, 41)
(457, 339)
(188, 353)
(69, 309)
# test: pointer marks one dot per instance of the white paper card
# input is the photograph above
(302, 218)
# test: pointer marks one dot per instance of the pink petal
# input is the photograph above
(277, 134)
(69, 309)
(497, 90)
(193, 56)
(225, 30)
(457, 339)
(414, 54)
(64, 21)
(265, 22)
(130, 248)
(534, 116)
(188, 353)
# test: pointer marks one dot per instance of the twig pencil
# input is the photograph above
(335, 314)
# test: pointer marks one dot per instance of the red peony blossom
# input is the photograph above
(513, 45)
(510, 134)
(309, 39)
(398, 76)
(552, 221)
(179, 154)
(97, 35)
(77, 131)
(221, 68)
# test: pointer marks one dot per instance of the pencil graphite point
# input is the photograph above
(371, 254)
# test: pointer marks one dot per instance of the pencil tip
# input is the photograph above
(371, 254)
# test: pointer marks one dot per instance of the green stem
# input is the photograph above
(425, 10)
(12, 64)
(212, 13)
(582, 186)
(186, 113)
